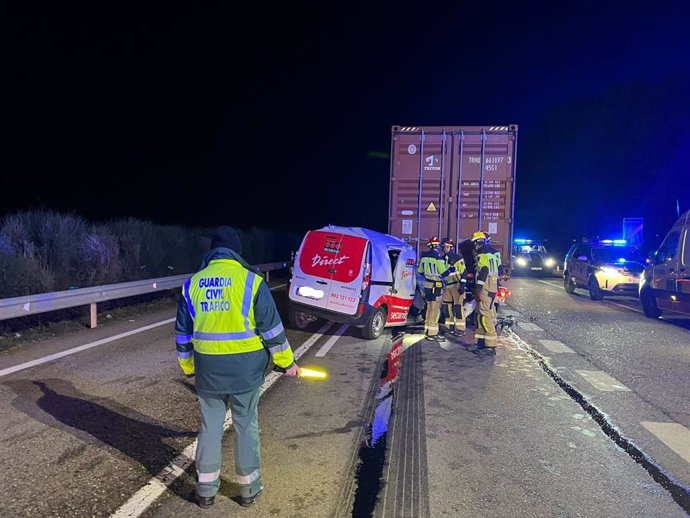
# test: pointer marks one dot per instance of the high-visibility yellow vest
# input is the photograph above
(490, 261)
(220, 299)
(431, 266)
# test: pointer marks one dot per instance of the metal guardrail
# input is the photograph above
(44, 302)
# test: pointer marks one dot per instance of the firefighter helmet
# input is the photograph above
(447, 241)
(478, 235)
(433, 242)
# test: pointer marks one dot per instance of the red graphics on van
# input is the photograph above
(332, 256)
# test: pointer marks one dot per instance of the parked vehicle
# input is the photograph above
(606, 267)
(665, 284)
(531, 258)
(353, 275)
(450, 181)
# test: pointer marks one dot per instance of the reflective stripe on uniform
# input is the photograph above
(245, 480)
(188, 298)
(184, 355)
(208, 477)
(273, 332)
(279, 348)
(247, 299)
(224, 337)
(183, 339)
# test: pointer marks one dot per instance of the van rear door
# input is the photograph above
(347, 272)
(311, 278)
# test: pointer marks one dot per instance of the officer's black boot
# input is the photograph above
(204, 501)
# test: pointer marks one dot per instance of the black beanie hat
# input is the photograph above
(226, 237)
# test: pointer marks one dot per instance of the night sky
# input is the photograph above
(275, 115)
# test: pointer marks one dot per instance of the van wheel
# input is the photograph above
(374, 326)
(595, 292)
(568, 283)
(649, 307)
(299, 319)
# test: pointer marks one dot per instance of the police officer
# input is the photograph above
(454, 291)
(486, 286)
(430, 272)
(227, 325)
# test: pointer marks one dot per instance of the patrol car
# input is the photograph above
(606, 267)
(529, 257)
(665, 284)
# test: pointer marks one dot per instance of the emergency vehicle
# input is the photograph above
(665, 284)
(603, 267)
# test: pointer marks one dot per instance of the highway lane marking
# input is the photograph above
(623, 306)
(529, 326)
(332, 340)
(149, 493)
(555, 346)
(74, 350)
(607, 301)
(551, 284)
(602, 381)
(673, 435)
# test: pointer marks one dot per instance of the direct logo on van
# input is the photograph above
(317, 260)
(332, 246)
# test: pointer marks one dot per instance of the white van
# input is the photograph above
(665, 284)
(352, 275)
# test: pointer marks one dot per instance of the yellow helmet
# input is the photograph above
(478, 235)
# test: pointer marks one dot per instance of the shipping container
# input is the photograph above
(450, 181)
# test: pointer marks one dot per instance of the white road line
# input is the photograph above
(55, 356)
(551, 284)
(142, 499)
(529, 326)
(623, 306)
(555, 346)
(602, 381)
(673, 435)
(332, 340)
(51, 357)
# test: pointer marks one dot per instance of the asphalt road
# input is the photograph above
(109, 430)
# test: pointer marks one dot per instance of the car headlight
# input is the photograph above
(549, 262)
(521, 262)
(609, 271)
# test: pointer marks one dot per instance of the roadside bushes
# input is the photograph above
(44, 251)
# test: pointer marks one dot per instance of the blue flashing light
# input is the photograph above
(621, 260)
(522, 241)
(620, 242)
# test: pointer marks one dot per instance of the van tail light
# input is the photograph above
(367, 277)
(360, 308)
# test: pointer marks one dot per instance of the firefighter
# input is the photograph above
(431, 269)
(486, 286)
(454, 291)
